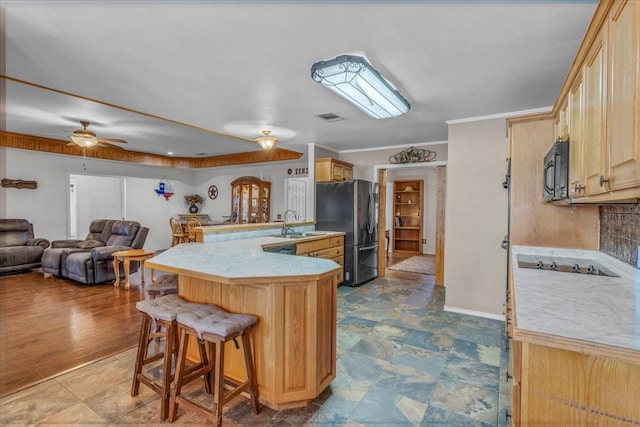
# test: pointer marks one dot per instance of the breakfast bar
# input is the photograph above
(294, 298)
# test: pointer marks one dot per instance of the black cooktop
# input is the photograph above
(562, 264)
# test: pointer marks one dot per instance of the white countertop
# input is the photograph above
(242, 259)
(598, 309)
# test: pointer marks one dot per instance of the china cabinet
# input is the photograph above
(250, 200)
(407, 227)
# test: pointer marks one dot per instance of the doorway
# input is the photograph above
(92, 197)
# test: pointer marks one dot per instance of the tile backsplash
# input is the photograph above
(620, 232)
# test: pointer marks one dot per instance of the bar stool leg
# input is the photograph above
(218, 393)
(142, 353)
(176, 387)
(251, 377)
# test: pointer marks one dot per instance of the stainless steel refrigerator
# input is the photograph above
(350, 206)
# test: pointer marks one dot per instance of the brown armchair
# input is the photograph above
(19, 249)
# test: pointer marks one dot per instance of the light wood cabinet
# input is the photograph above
(576, 144)
(594, 154)
(250, 200)
(601, 107)
(407, 204)
(329, 248)
(328, 169)
(623, 95)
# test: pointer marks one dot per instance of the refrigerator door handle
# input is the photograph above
(368, 248)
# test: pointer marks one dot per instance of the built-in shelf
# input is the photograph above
(407, 230)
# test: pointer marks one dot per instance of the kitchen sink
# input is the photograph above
(289, 236)
(562, 264)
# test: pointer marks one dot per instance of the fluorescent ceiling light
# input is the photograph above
(353, 78)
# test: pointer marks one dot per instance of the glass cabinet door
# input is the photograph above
(250, 200)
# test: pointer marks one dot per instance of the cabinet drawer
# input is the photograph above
(313, 246)
(338, 260)
(336, 241)
(340, 276)
(320, 254)
(335, 252)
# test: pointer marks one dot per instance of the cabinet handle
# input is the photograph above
(507, 415)
(507, 376)
(602, 180)
(579, 187)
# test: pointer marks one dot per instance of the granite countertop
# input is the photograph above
(597, 309)
(244, 258)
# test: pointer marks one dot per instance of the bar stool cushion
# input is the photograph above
(216, 321)
(164, 283)
(167, 307)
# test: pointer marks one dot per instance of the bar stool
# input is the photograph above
(164, 285)
(214, 329)
(159, 321)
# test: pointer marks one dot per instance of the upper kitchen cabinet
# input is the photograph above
(576, 147)
(600, 108)
(328, 169)
(593, 137)
(623, 95)
(250, 200)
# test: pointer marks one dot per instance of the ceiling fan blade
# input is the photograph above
(122, 141)
(102, 143)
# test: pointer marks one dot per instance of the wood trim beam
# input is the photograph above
(440, 212)
(382, 221)
(55, 146)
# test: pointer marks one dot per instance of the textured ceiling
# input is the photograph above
(240, 67)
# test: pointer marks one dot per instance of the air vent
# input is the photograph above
(330, 117)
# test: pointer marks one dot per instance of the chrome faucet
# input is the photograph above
(285, 227)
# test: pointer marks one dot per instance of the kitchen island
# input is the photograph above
(294, 298)
(575, 353)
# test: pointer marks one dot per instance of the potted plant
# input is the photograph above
(193, 200)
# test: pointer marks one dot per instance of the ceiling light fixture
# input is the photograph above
(353, 78)
(84, 137)
(266, 142)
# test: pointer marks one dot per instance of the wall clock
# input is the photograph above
(213, 192)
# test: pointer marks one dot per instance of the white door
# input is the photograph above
(94, 197)
(297, 196)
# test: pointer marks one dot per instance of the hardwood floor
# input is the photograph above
(50, 326)
(53, 325)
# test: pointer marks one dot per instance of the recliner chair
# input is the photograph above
(90, 261)
(19, 249)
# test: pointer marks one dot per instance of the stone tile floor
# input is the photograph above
(402, 361)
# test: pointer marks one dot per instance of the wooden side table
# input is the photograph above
(126, 257)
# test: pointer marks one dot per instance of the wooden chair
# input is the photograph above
(191, 234)
(177, 232)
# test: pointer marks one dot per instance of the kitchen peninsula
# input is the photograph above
(294, 298)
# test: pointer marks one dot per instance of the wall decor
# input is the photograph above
(413, 155)
(19, 184)
(213, 192)
(164, 188)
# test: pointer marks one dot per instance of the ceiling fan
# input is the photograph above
(86, 139)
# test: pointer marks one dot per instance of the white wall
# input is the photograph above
(47, 206)
(476, 218)
(276, 173)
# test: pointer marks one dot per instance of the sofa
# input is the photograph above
(90, 261)
(19, 249)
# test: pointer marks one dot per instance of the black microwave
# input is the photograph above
(556, 171)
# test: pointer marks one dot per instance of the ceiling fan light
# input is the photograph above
(266, 142)
(84, 140)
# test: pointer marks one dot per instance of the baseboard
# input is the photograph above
(474, 313)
